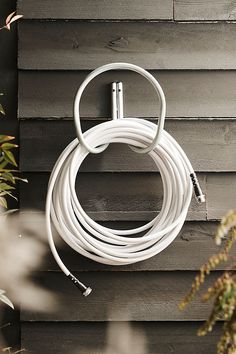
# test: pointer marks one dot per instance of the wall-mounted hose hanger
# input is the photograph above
(64, 211)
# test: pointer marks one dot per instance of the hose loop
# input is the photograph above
(120, 66)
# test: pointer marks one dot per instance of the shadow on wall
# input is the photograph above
(122, 338)
(23, 248)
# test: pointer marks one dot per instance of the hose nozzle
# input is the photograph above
(84, 289)
(200, 197)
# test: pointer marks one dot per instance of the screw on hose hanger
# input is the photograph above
(117, 100)
(86, 236)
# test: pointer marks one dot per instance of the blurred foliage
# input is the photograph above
(10, 19)
(8, 163)
(222, 291)
(8, 176)
(8, 350)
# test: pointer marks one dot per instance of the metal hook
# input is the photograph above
(117, 100)
(120, 66)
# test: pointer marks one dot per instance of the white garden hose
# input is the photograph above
(97, 242)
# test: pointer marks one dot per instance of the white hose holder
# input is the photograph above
(64, 211)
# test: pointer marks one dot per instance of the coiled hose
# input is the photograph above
(97, 242)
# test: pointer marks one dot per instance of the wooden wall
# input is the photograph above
(190, 47)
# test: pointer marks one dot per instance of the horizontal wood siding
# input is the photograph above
(129, 196)
(99, 9)
(120, 296)
(179, 10)
(111, 196)
(202, 141)
(49, 94)
(72, 45)
(194, 244)
(161, 337)
(199, 10)
(189, 46)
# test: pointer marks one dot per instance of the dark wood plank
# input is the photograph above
(97, 10)
(77, 45)
(46, 94)
(111, 196)
(140, 296)
(223, 194)
(198, 10)
(193, 246)
(210, 146)
(133, 197)
(161, 337)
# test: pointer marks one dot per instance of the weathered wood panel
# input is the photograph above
(111, 196)
(193, 246)
(134, 197)
(121, 296)
(188, 94)
(210, 146)
(199, 10)
(78, 45)
(223, 194)
(161, 337)
(97, 10)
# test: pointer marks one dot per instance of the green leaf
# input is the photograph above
(3, 164)
(25, 180)
(3, 202)
(7, 193)
(5, 187)
(5, 299)
(2, 110)
(6, 170)
(10, 157)
(7, 176)
(8, 146)
(4, 138)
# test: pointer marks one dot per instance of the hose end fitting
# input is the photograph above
(87, 292)
(200, 197)
(83, 289)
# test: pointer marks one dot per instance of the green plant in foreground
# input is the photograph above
(223, 290)
(8, 176)
(7, 185)
(8, 170)
(7, 160)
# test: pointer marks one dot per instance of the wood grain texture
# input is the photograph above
(161, 337)
(210, 146)
(78, 45)
(111, 196)
(97, 10)
(133, 196)
(47, 94)
(195, 64)
(121, 296)
(193, 246)
(199, 10)
(223, 192)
